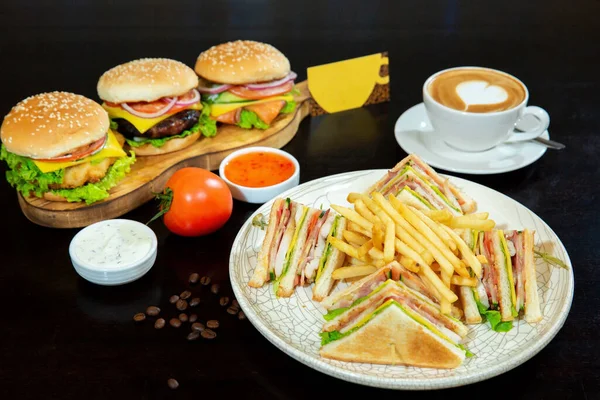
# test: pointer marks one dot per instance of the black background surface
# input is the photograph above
(61, 337)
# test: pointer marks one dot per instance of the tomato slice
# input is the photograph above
(80, 152)
(246, 93)
(149, 107)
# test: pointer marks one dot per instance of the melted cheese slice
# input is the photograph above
(142, 124)
(220, 109)
(111, 149)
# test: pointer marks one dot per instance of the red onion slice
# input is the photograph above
(214, 89)
(162, 111)
(257, 86)
(193, 100)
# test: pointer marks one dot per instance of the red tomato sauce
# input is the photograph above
(259, 169)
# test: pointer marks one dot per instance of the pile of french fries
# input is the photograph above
(382, 230)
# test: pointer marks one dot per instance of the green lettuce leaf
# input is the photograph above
(26, 177)
(468, 354)
(249, 120)
(93, 192)
(289, 107)
(334, 313)
(113, 125)
(205, 125)
(494, 318)
(328, 337)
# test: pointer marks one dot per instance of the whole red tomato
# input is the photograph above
(200, 202)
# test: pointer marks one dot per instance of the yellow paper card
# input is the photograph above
(348, 84)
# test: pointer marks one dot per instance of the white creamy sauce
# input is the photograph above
(480, 92)
(112, 245)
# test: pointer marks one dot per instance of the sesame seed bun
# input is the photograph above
(170, 146)
(242, 62)
(146, 79)
(48, 125)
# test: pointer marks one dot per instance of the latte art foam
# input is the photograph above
(476, 90)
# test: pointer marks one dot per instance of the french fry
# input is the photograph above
(352, 197)
(481, 215)
(409, 263)
(354, 227)
(442, 254)
(404, 250)
(445, 303)
(378, 236)
(364, 249)
(353, 216)
(353, 271)
(379, 263)
(405, 231)
(439, 215)
(434, 280)
(355, 261)
(482, 259)
(354, 238)
(465, 222)
(470, 259)
(362, 209)
(389, 242)
(436, 228)
(462, 281)
(375, 254)
(344, 247)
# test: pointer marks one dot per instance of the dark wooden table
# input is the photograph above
(64, 338)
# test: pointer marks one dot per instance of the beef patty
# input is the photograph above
(173, 125)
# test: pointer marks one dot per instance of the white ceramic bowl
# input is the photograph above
(262, 194)
(114, 251)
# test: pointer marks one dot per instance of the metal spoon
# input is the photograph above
(551, 144)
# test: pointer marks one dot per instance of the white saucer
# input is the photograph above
(415, 135)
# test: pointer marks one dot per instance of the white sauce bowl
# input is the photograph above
(262, 194)
(114, 251)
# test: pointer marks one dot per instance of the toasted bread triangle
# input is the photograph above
(393, 337)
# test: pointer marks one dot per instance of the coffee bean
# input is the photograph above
(208, 334)
(173, 299)
(172, 383)
(194, 302)
(205, 280)
(175, 322)
(215, 288)
(241, 315)
(235, 303)
(198, 326)
(181, 305)
(212, 324)
(193, 318)
(183, 317)
(152, 311)
(193, 335)
(232, 310)
(160, 323)
(223, 301)
(139, 317)
(185, 295)
(194, 278)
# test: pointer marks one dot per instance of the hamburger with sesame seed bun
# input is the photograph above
(154, 103)
(59, 146)
(246, 83)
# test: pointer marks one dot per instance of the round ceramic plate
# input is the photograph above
(415, 134)
(293, 324)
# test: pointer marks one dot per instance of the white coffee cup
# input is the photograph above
(480, 131)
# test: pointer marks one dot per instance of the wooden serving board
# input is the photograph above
(150, 174)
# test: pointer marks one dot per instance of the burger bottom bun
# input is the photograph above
(169, 147)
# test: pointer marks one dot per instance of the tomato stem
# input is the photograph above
(165, 203)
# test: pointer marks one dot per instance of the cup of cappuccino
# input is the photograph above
(476, 108)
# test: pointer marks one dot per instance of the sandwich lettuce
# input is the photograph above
(494, 318)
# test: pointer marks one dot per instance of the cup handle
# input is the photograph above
(383, 80)
(544, 120)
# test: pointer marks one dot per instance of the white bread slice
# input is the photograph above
(261, 272)
(532, 301)
(335, 260)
